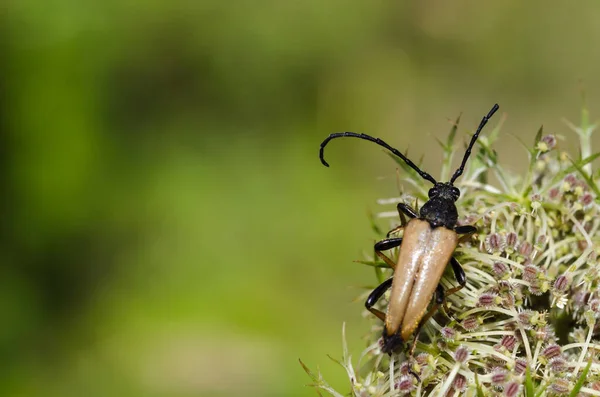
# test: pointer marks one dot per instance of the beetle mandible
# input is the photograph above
(426, 247)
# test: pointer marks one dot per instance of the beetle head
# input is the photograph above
(440, 209)
(444, 191)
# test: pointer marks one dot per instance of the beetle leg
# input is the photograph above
(460, 276)
(465, 229)
(387, 244)
(413, 373)
(403, 209)
(439, 299)
(375, 296)
(440, 296)
(386, 259)
(397, 228)
(408, 210)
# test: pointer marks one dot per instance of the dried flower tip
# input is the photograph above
(487, 300)
(470, 323)
(595, 305)
(520, 366)
(525, 249)
(499, 376)
(460, 383)
(561, 283)
(501, 270)
(554, 194)
(526, 319)
(566, 187)
(536, 289)
(586, 201)
(530, 273)
(510, 326)
(595, 385)
(551, 351)
(518, 295)
(540, 242)
(498, 347)
(558, 364)
(422, 359)
(405, 384)
(508, 299)
(512, 241)
(508, 342)
(494, 243)
(495, 361)
(544, 333)
(405, 368)
(548, 142)
(560, 386)
(441, 344)
(461, 354)
(512, 389)
(448, 334)
(571, 179)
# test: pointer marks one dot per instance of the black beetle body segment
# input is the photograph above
(427, 246)
(440, 210)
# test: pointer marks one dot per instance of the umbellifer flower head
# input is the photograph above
(527, 318)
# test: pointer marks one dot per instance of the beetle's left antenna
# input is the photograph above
(379, 142)
(484, 121)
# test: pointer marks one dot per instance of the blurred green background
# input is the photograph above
(167, 228)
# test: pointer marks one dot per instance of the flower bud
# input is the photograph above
(512, 389)
(461, 354)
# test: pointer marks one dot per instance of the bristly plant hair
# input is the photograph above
(396, 152)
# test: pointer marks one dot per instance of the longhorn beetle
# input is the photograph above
(429, 240)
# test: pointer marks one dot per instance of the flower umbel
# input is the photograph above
(527, 319)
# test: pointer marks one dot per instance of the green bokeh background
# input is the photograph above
(167, 228)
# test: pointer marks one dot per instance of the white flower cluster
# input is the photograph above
(527, 321)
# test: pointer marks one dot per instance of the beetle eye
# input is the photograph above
(432, 192)
(456, 192)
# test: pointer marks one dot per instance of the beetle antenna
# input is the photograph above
(484, 121)
(379, 142)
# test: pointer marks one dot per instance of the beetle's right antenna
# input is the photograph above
(379, 142)
(484, 121)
